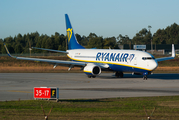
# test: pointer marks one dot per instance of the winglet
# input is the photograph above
(173, 50)
(8, 51)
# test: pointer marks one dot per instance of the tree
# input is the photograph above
(18, 48)
(79, 38)
(19, 39)
(1, 41)
(1, 45)
(110, 43)
(160, 37)
(49, 43)
(9, 40)
(95, 41)
(56, 40)
(62, 43)
(84, 40)
(169, 35)
(143, 37)
(92, 35)
(123, 39)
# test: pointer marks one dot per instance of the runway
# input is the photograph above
(15, 86)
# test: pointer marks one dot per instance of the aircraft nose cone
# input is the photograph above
(154, 65)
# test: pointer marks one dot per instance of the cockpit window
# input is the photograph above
(148, 58)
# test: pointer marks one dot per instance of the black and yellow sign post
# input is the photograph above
(54, 93)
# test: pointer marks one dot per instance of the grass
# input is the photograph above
(87, 109)
(11, 65)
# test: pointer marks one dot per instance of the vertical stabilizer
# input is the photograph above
(71, 39)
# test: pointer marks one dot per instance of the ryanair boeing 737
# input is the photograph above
(93, 61)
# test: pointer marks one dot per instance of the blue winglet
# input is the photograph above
(72, 42)
(8, 51)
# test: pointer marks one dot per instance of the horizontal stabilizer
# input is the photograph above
(50, 50)
(167, 58)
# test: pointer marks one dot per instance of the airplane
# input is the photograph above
(93, 61)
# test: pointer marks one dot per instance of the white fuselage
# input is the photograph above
(117, 60)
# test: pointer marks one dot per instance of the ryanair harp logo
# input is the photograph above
(69, 34)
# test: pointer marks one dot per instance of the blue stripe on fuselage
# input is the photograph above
(126, 68)
(121, 68)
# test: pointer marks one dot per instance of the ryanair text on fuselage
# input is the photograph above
(118, 57)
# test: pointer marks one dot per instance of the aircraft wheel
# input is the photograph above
(93, 76)
(89, 76)
(119, 74)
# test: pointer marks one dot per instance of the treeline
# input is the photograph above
(21, 44)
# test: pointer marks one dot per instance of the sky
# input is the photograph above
(106, 18)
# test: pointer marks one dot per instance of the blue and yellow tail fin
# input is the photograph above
(71, 39)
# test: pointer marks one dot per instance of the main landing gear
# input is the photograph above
(119, 74)
(91, 76)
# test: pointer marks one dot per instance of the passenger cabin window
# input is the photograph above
(148, 58)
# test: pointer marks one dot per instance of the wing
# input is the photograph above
(55, 62)
(167, 58)
(164, 58)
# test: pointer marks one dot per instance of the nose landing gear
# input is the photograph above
(145, 77)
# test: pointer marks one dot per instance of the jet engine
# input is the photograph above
(92, 70)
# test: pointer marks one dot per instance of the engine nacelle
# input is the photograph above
(146, 73)
(136, 73)
(92, 69)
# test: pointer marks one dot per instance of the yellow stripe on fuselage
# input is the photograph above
(108, 63)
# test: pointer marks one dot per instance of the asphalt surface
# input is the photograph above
(15, 86)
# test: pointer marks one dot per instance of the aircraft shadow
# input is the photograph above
(165, 76)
